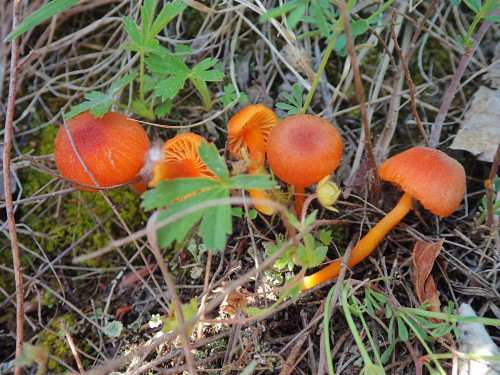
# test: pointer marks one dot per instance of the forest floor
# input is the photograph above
(100, 294)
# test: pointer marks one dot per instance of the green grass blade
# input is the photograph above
(38, 16)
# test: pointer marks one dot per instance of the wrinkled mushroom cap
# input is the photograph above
(181, 159)
(255, 115)
(430, 176)
(113, 147)
(302, 149)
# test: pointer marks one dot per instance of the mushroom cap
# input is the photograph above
(302, 149)
(255, 115)
(181, 159)
(430, 176)
(113, 147)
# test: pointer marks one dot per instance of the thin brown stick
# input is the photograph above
(359, 92)
(408, 80)
(9, 206)
(490, 189)
(72, 346)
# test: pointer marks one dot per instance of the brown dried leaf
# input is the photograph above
(424, 257)
(131, 277)
(233, 302)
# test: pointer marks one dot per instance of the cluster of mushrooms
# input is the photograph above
(301, 150)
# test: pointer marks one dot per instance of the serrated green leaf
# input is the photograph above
(210, 156)
(147, 13)
(204, 65)
(163, 109)
(121, 83)
(310, 218)
(79, 108)
(208, 75)
(178, 230)
(247, 182)
(170, 86)
(132, 30)
(101, 103)
(168, 64)
(167, 191)
(319, 254)
(38, 16)
(216, 224)
(168, 12)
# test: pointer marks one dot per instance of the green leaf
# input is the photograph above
(318, 256)
(492, 18)
(208, 75)
(38, 16)
(289, 108)
(147, 13)
(475, 5)
(121, 83)
(291, 99)
(292, 291)
(310, 218)
(402, 330)
(276, 12)
(204, 65)
(295, 15)
(216, 224)
(164, 108)
(320, 18)
(358, 27)
(210, 156)
(170, 86)
(297, 92)
(168, 64)
(167, 191)
(455, 2)
(178, 230)
(99, 103)
(132, 30)
(168, 12)
(247, 182)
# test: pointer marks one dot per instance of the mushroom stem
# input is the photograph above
(257, 154)
(365, 246)
(300, 198)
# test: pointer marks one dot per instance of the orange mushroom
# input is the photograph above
(181, 159)
(428, 175)
(248, 131)
(112, 147)
(301, 150)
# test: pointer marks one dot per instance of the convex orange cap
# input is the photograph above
(430, 176)
(302, 149)
(113, 148)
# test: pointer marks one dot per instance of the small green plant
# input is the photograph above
(168, 73)
(216, 222)
(484, 205)
(404, 324)
(482, 12)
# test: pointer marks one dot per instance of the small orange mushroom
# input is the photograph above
(112, 147)
(248, 130)
(181, 159)
(428, 175)
(301, 150)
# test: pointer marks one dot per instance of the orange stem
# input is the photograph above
(365, 245)
(300, 198)
(257, 155)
